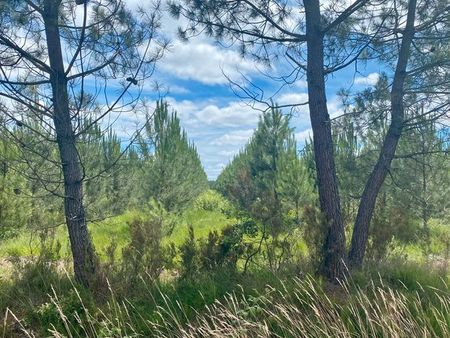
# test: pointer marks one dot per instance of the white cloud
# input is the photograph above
(234, 138)
(293, 99)
(175, 89)
(335, 108)
(227, 154)
(233, 115)
(125, 124)
(301, 84)
(369, 80)
(220, 131)
(204, 62)
(199, 59)
(304, 135)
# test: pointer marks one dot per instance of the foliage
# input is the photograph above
(189, 255)
(44, 83)
(200, 262)
(412, 193)
(267, 181)
(14, 206)
(145, 255)
(174, 174)
(314, 227)
(222, 252)
(391, 227)
(211, 200)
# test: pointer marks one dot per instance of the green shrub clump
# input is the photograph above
(211, 200)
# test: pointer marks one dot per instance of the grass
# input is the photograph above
(214, 305)
(396, 298)
(28, 243)
(203, 221)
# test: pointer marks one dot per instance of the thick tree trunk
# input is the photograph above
(381, 169)
(333, 266)
(84, 261)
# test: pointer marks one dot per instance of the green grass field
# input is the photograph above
(250, 297)
(116, 229)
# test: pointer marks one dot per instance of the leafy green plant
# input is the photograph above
(145, 254)
(211, 200)
(314, 232)
(189, 255)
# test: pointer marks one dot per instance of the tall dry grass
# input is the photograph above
(300, 309)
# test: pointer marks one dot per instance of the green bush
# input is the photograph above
(222, 251)
(211, 200)
(145, 255)
(390, 227)
(189, 255)
(314, 231)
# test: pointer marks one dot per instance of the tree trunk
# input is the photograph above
(381, 169)
(84, 261)
(333, 266)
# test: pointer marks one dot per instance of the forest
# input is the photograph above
(113, 224)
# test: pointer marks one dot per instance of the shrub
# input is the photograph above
(390, 227)
(314, 231)
(64, 311)
(189, 255)
(145, 255)
(211, 200)
(222, 251)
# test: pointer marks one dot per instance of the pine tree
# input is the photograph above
(14, 206)
(175, 175)
(267, 181)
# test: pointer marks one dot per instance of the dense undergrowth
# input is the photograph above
(390, 300)
(195, 274)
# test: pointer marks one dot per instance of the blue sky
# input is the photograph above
(218, 121)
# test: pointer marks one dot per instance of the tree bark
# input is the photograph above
(84, 261)
(381, 169)
(333, 265)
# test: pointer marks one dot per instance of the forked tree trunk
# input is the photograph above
(333, 266)
(381, 169)
(84, 261)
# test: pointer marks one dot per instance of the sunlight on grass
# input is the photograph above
(116, 229)
(202, 221)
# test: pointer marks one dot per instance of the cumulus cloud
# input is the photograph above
(234, 138)
(335, 108)
(292, 99)
(369, 80)
(175, 89)
(233, 115)
(301, 83)
(218, 131)
(199, 59)
(205, 62)
(303, 135)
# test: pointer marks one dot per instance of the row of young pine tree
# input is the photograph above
(271, 180)
(159, 164)
(274, 182)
